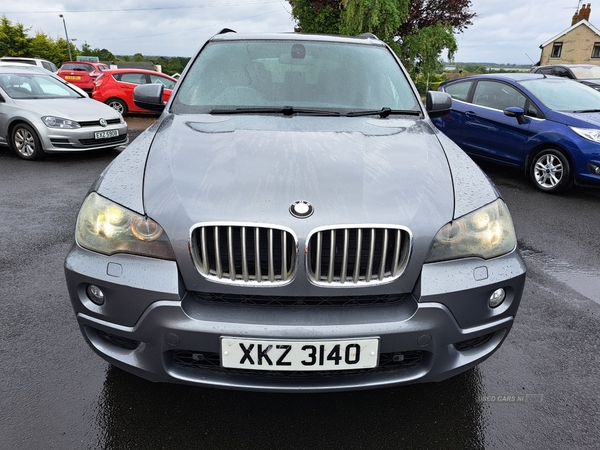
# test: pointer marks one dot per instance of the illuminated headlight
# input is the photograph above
(108, 228)
(485, 233)
(58, 122)
(590, 134)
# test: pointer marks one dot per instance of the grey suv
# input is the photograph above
(293, 221)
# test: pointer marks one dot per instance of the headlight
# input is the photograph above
(485, 233)
(58, 122)
(590, 134)
(108, 228)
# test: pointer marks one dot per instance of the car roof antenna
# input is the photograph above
(226, 30)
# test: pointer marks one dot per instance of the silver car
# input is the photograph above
(294, 222)
(40, 114)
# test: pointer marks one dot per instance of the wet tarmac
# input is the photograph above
(539, 391)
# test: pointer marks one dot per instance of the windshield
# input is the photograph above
(565, 95)
(35, 86)
(307, 75)
(587, 72)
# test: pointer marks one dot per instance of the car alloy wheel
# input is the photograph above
(26, 143)
(117, 105)
(551, 171)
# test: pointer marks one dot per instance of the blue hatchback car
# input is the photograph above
(547, 126)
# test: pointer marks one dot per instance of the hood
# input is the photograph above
(78, 109)
(252, 168)
(584, 120)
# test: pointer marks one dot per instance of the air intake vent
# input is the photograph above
(233, 253)
(357, 255)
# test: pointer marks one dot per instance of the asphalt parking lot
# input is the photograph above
(539, 391)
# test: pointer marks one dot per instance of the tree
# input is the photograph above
(317, 16)
(425, 13)
(413, 21)
(420, 49)
(381, 17)
(13, 38)
(102, 54)
(42, 46)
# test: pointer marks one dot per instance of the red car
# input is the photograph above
(115, 87)
(81, 73)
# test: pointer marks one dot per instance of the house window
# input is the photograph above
(596, 50)
(556, 49)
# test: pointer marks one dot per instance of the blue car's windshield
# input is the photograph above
(565, 95)
(306, 75)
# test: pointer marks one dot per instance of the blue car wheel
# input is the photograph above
(550, 171)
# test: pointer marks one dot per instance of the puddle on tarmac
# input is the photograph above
(586, 281)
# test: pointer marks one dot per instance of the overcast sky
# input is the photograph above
(508, 31)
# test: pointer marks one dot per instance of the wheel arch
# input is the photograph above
(122, 100)
(11, 126)
(545, 146)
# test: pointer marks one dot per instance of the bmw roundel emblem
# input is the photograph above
(103, 122)
(301, 209)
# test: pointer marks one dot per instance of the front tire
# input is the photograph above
(118, 105)
(551, 171)
(26, 143)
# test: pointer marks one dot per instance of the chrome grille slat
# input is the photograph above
(245, 275)
(371, 253)
(284, 255)
(257, 273)
(319, 249)
(351, 255)
(204, 251)
(384, 255)
(331, 259)
(357, 259)
(397, 250)
(218, 254)
(270, 257)
(244, 253)
(230, 252)
(345, 257)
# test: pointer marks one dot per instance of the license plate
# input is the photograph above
(72, 77)
(106, 134)
(299, 355)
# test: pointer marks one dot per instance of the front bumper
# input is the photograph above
(151, 326)
(55, 140)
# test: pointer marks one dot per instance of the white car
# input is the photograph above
(39, 62)
(40, 114)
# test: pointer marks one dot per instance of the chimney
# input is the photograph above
(582, 14)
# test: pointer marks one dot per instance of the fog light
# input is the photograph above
(95, 294)
(594, 168)
(497, 298)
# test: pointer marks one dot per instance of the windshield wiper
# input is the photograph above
(587, 111)
(286, 111)
(383, 112)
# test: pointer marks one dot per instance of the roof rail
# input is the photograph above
(368, 36)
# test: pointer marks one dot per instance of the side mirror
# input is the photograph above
(149, 96)
(438, 104)
(516, 112)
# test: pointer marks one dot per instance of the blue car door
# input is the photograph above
(450, 124)
(486, 131)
